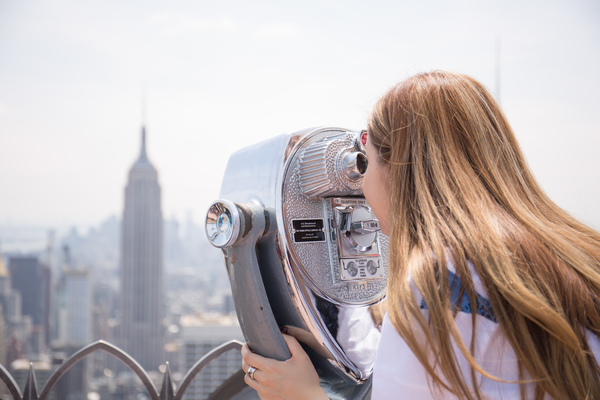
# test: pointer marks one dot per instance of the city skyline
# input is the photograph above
(52, 307)
(220, 77)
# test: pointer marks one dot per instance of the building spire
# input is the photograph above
(143, 155)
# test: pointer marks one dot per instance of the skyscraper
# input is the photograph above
(74, 303)
(32, 279)
(74, 309)
(141, 333)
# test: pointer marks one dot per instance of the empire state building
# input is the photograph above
(141, 266)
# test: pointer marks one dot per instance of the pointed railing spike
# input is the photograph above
(30, 392)
(166, 392)
(111, 349)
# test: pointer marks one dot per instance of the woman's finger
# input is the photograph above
(295, 378)
(245, 366)
(294, 345)
(256, 375)
(253, 383)
(300, 334)
(253, 359)
(304, 336)
(249, 357)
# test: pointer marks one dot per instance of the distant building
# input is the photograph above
(32, 280)
(18, 327)
(74, 303)
(141, 333)
(74, 384)
(11, 301)
(14, 349)
(73, 322)
(27, 278)
(198, 337)
(7, 299)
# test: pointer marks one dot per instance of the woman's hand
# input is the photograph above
(292, 379)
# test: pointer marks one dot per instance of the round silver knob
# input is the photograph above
(359, 228)
(332, 167)
(222, 223)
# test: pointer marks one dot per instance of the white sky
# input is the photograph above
(220, 76)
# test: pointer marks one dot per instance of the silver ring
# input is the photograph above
(251, 371)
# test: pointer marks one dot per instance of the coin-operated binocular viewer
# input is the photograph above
(302, 249)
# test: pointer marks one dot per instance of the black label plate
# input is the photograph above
(302, 224)
(308, 230)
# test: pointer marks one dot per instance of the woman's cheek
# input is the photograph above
(375, 196)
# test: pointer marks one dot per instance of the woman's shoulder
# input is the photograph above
(398, 370)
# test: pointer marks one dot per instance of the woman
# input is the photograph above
(493, 290)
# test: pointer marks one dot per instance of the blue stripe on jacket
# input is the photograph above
(462, 304)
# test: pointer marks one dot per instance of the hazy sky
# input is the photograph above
(220, 76)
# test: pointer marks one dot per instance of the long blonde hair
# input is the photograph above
(461, 189)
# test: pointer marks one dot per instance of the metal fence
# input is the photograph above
(167, 391)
